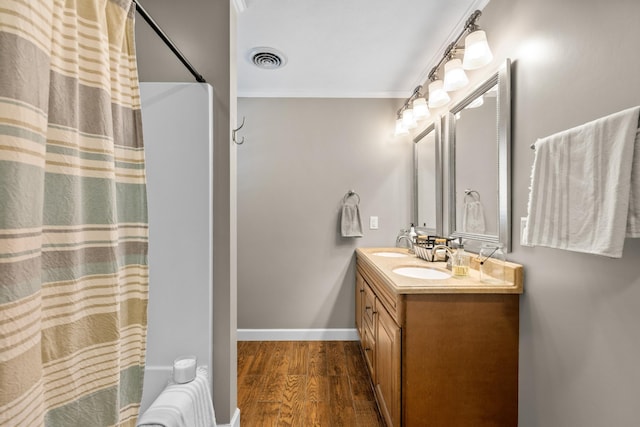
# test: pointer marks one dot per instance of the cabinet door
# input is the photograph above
(369, 308)
(360, 284)
(388, 366)
(369, 348)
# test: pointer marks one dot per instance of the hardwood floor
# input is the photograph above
(304, 383)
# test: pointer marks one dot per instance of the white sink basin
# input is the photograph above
(391, 254)
(421, 273)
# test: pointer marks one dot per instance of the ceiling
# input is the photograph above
(345, 48)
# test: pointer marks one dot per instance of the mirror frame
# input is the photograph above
(503, 80)
(436, 128)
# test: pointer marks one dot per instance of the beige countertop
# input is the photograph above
(400, 284)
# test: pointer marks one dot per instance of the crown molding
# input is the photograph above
(321, 94)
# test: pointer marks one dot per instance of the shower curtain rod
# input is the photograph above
(168, 42)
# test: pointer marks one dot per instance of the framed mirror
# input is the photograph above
(478, 145)
(427, 179)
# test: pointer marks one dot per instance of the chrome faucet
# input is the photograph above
(404, 236)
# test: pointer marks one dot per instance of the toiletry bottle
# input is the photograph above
(412, 233)
(460, 262)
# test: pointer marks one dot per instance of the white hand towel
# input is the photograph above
(633, 220)
(182, 405)
(473, 216)
(581, 186)
(350, 224)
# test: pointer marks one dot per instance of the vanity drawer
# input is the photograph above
(384, 296)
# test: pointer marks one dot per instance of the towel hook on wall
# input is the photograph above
(235, 131)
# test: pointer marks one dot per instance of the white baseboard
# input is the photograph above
(235, 420)
(298, 335)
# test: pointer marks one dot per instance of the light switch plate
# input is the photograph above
(373, 223)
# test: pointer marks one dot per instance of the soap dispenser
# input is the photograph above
(460, 261)
(412, 233)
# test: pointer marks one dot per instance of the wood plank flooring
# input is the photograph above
(304, 383)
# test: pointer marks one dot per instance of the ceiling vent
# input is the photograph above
(267, 58)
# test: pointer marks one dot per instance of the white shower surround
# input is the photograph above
(178, 133)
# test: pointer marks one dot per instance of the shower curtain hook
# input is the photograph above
(234, 131)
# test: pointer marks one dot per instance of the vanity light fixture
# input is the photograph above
(454, 76)
(414, 109)
(408, 121)
(400, 128)
(477, 54)
(438, 97)
(420, 109)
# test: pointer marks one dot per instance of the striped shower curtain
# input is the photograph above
(73, 220)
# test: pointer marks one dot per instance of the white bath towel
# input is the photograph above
(350, 223)
(581, 187)
(182, 405)
(473, 215)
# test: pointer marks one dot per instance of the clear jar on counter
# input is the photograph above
(492, 264)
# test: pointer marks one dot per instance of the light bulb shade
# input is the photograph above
(420, 109)
(477, 53)
(438, 97)
(400, 129)
(454, 76)
(408, 121)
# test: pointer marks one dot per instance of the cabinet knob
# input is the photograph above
(367, 349)
(361, 290)
(367, 307)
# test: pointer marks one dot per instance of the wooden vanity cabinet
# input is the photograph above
(380, 340)
(439, 359)
(387, 368)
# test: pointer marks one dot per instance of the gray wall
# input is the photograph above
(300, 158)
(579, 339)
(205, 32)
